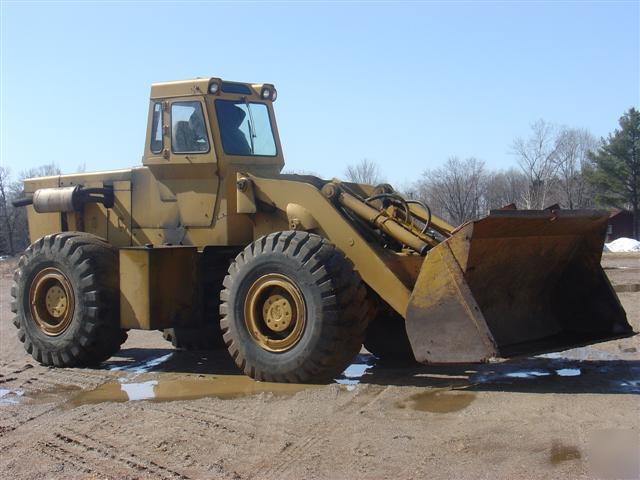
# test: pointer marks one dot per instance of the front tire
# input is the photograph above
(66, 300)
(293, 309)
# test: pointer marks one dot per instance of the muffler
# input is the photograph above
(66, 199)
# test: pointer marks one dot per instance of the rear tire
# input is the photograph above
(208, 335)
(66, 300)
(294, 310)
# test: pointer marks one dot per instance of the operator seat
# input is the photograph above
(230, 118)
(184, 139)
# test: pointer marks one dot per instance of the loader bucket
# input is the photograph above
(515, 283)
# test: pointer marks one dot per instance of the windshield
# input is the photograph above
(245, 128)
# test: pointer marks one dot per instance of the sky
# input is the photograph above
(406, 84)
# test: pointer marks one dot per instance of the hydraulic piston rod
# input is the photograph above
(385, 223)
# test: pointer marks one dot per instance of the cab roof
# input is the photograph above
(196, 86)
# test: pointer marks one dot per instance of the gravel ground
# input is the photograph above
(152, 412)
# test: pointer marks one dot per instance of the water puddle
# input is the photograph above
(627, 287)
(139, 391)
(438, 401)
(170, 387)
(561, 375)
(184, 388)
(10, 397)
(354, 372)
(563, 453)
(141, 367)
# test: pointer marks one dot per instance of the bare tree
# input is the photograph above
(47, 170)
(365, 171)
(504, 188)
(573, 162)
(7, 216)
(536, 157)
(14, 231)
(454, 191)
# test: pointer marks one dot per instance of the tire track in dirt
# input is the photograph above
(200, 423)
(4, 379)
(314, 438)
(88, 446)
(11, 372)
(8, 428)
(51, 379)
(13, 368)
(77, 377)
(67, 457)
(139, 445)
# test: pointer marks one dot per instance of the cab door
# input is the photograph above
(184, 169)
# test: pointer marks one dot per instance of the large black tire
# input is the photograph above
(387, 339)
(335, 303)
(208, 335)
(89, 267)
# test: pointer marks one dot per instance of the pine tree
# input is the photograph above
(616, 173)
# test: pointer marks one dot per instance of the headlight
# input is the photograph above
(214, 87)
(274, 95)
(265, 94)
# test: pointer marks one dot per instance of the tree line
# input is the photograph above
(554, 165)
(14, 232)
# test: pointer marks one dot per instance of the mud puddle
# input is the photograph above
(627, 287)
(438, 401)
(184, 388)
(563, 453)
(195, 387)
(10, 397)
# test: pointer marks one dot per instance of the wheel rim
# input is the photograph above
(274, 313)
(51, 301)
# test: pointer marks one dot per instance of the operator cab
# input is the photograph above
(211, 120)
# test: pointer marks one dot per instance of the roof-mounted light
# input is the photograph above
(214, 88)
(268, 93)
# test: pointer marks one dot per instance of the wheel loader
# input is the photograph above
(211, 244)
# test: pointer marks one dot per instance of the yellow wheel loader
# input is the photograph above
(208, 242)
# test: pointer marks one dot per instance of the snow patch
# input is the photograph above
(623, 244)
(531, 374)
(568, 372)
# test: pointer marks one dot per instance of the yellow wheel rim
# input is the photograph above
(51, 301)
(274, 312)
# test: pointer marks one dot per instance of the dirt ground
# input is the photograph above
(152, 412)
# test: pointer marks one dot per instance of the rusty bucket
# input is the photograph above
(515, 283)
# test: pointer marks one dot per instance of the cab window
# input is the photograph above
(157, 140)
(245, 128)
(188, 131)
